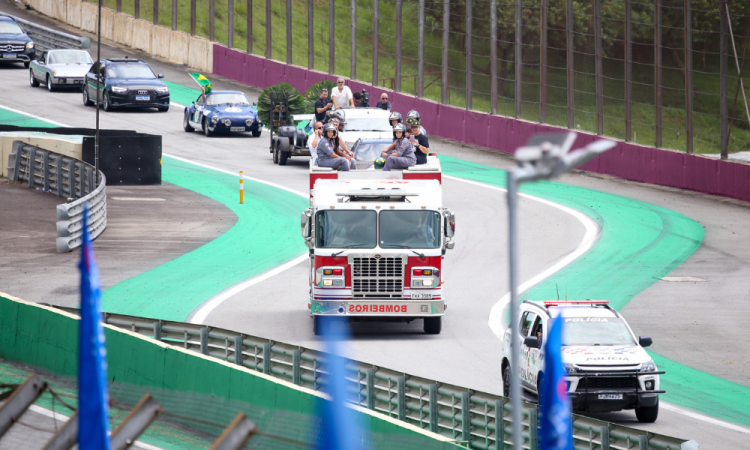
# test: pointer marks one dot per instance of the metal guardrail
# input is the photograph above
(46, 38)
(467, 415)
(66, 177)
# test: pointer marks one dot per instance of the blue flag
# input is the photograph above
(556, 419)
(340, 428)
(93, 400)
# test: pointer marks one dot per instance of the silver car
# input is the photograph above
(60, 68)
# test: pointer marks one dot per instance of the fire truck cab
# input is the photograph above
(376, 243)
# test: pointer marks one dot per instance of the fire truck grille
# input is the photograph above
(382, 276)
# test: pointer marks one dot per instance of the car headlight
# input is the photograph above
(226, 122)
(648, 367)
(163, 90)
(29, 45)
(249, 122)
(215, 119)
(570, 368)
(119, 90)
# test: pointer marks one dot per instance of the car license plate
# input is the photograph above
(610, 396)
(237, 129)
(142, 98)
(421, 296)
(9, 55)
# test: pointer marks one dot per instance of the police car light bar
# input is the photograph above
(575, 302)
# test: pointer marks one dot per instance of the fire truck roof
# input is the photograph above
(378, 194)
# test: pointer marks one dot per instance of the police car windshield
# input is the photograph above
(367, 124)
(70, 57)
(370, 151)
(130, 70)
(338, 229)
(9, 27)
(596, 331)
(410, 229)
(223, 99)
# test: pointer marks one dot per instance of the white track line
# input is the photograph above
(704, 418)
(590, 237)
(34, 116)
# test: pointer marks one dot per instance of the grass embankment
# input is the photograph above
(705, 78)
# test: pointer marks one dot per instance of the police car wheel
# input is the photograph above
(647, 414)
(506, 381)
(539, 381)
(433, 325)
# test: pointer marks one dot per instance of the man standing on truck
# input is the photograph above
(327, 157)
(342, 95)
(322, 105)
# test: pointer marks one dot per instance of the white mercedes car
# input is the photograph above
(60, 69)
(607, 367)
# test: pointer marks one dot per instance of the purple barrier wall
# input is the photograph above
(627, 160)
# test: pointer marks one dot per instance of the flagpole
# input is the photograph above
(98, 78)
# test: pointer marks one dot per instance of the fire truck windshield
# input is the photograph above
(338, 229)
(412, 229)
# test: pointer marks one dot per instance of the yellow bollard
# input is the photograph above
(242, 188)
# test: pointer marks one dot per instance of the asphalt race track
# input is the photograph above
(467, 352)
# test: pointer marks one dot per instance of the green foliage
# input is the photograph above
(296, 102)
(312, 94)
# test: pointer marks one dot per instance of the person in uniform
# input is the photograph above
(327, 157)
(394, 118)
(400, 154)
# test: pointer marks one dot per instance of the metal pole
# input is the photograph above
(174, 13)
(493, 56)
(598, 68)
(230, 23)
(397, 75)
(628, 70)
(211, 23)
(515, 386)
(249, 37)
(193, 12)
(444, 76)
(420, 62)
(156, 12)
(688, 77)
(740, 84)
(331, 37)
(98, 100)
(543, 63)
(570, 64)
(288, 31)
(375, 32)
(137, 9)
(469, 87)
(269, 44)
(310, 34)
(354, 40)
(519, 57)
(723, 73)
(657, 73)
(119, 5)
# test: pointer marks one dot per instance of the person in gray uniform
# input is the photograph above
(327, 157)
(400, 154)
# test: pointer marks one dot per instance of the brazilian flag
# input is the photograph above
(202, 81)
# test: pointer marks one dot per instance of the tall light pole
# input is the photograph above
(98, 80)
(544, 157)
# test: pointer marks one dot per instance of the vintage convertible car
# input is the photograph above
(60, 69)
(222, 112)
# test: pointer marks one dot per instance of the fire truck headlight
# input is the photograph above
(327, 282)
(426, 282)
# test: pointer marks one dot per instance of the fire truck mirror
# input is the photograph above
(305, 224)
(450, 225)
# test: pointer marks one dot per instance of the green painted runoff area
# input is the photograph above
(8, 117)
(189, 385)
(640, 243)
(182, 95)
(266, 234)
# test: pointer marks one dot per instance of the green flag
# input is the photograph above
(202, 82)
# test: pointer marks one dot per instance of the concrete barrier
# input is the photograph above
(160, 37)
(122, 29)
(108, 20)
(142, 35)
(73, 15)
(59, 10)
(200, 54)
(179, 47)
(89, 13)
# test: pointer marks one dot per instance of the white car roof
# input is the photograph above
(574, 310)
(357, 113)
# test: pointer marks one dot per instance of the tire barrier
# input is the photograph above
(65, 177)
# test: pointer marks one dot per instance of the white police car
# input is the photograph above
(607, 367)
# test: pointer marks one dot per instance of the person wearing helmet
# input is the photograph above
(341, 148)
(327, 157)
(400, 154)
(395, 118)
(413, 118)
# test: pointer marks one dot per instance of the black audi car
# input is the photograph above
(15, 44)
(125, 83)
